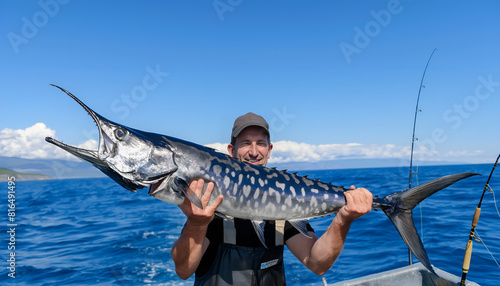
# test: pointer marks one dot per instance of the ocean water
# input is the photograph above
(93, 232)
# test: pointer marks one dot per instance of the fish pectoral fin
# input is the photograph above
(301, 226)
(190, 194)
(258, 225)
(221, 215)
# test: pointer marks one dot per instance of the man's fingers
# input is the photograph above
(208, 192)
(196, 186)
(207, 195)
(217, 202)
(359, 200)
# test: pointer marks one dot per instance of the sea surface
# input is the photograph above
(94, 232)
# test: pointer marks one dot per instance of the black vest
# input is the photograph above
(241, 265)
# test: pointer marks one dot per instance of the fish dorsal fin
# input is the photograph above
(212, 149)
(301, 226)
(259, 225)
(190, 194)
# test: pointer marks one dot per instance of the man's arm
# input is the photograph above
(192, 243)
(319, 254)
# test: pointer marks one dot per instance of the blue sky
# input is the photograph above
(335, 79)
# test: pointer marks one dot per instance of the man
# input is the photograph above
(228, 252)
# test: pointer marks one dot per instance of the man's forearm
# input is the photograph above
(188, 250)
(329, 246)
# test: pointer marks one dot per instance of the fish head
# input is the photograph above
(133, 158)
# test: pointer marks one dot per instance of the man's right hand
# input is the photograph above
(192, 243)
(196, 216)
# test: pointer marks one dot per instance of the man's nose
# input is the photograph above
(253, 150)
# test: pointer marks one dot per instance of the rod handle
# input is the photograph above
(475, 219)
(468, 248)
(467, 257)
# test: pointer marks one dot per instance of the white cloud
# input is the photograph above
(30, 143)
(289, 151)
(220, 147)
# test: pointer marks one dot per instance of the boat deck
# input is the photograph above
(411, 275)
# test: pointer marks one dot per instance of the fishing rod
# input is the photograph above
(468, 248)
(415, 119)
(413, 136)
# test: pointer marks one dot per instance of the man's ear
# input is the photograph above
(230, 149)
(269, 152)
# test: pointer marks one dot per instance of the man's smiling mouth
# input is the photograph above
(254, 161)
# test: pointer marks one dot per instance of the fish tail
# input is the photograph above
(398, 207)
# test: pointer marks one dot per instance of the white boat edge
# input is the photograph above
(411, 275)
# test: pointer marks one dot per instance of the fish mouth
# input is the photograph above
(155, 187)
(84, 154)
(128, 156)
(106, 146)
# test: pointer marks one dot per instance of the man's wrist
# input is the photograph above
(196, 226)
(342, 220)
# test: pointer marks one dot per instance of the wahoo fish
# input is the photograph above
(136, 159)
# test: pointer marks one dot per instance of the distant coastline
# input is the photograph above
(5, 174)
(46, 169)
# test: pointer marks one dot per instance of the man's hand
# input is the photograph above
(195, 215)
(358, 203)
(192, 243)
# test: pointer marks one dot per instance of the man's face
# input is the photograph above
(251, 146)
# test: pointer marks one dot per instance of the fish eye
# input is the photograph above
(120, 134)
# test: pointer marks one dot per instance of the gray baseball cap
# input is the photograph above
(249, 119)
